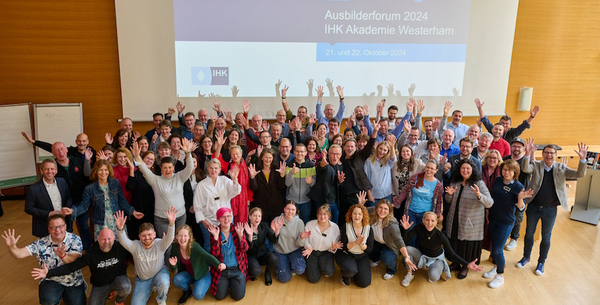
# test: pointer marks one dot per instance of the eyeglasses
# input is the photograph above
(54, 228)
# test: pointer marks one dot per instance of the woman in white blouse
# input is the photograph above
(213, 193)
(320, 246)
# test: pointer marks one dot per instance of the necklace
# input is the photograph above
(429, 235)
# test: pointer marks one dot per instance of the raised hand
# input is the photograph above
(312, 119)
(220, 137)
(259, 150)
(281, 169)
(407, 126)
(39, 273)
(533, 112)
(420, 106)
(154, 137)
(248, 230)
(404, 222)
(173, 261)
(136, 135)
(479, 122)
(171, 215)
(170, 111)
(475, 189)
(340, 91)
(320, 92)
(60, 250)
(89, 153)
(265, 125)
(341, 177)
(582, 152)
(447, 108)
(450, 190)
(366, 109)
(101, 156)
(478, 103)
(120, 219)
(217, 106)
(180, 107)
(362, 197)
(252, 170)
(276, 224)
(411, 89)
(309, 180)
(239, 229)
(234, 91)
(135, 150)
(214, 231)
(234, 173)
(27, 137)
(410, 105)
(376, 126)
(294, 169)
(108, 137)
(305, 234)
(379, 107)
(246, 106)
(228, 116)
(390, 89)
(435, 123)
(530, 146)
(525, 194)
(284, 91)
(310, 84)
(398, 93)
(9, 238)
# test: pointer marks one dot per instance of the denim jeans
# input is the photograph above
(335, 212)
(206, 237)
(369, 203)
(122, 286)
(183, 280)
(499, 232)
(288, 263)
(517, 227)
(304, 211)
(232, 280)
(143, 288)
(83, 226)
(548, 216)
(416, 219)
(382, 253)
(51, 292)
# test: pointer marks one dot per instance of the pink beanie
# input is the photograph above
(222, 211)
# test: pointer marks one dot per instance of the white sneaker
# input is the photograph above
(511, 245)
(490, 274)
(407, 279)
(388, 276)
(496, 282)
(374, 264)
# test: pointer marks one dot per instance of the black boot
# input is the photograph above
(268, 280)
(185, 296)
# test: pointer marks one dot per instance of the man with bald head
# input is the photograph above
(448, 148)
(280, 117)
(328, 113)
(108, 268)
(78, 151)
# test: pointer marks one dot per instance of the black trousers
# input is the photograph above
(319, 262)
(356, 266)
(254, 262)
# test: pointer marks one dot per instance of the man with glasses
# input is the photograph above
(411, 137)
(56, 249)
(548, 182)
(466, 148)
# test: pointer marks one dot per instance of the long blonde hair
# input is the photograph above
(386, 221)
(373, 157)
(188, 249)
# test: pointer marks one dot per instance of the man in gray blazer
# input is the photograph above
(548, 182)
(49, 196)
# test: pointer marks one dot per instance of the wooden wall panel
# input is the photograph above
(66, 51)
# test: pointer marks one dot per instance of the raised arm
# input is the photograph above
(11, 243)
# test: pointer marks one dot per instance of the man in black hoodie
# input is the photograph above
(106, 260)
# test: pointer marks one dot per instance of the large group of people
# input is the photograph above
(223, 194)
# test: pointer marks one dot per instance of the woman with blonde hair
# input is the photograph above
(357, 242)
(378, 169)
(490, 170)
(190, 261)
(388, 243)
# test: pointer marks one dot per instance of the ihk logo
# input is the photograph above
(210, 76)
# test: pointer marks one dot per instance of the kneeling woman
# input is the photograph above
(434, 246)
(323, 242)
(257, 233)
(190, 261)
(289, 243)
(231, 249)
(388, 243)
(357, 243)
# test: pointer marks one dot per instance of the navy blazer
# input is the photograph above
(38, 204)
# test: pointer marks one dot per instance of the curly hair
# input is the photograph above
(365, 213)
(475, 173)
(119, 150)
(188, 248)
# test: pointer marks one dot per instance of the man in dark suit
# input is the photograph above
(47, 197)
